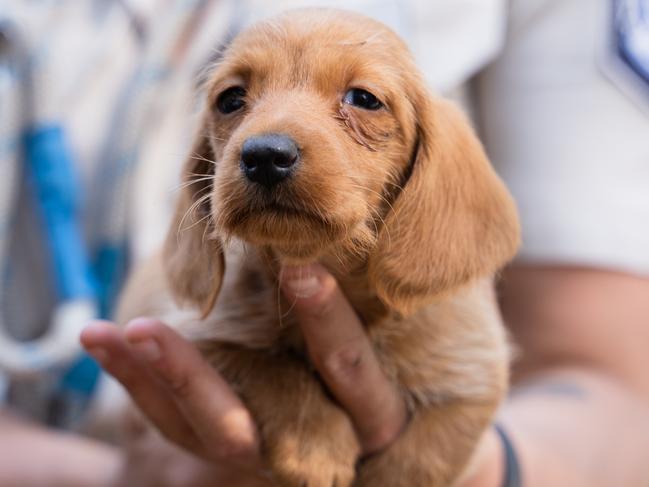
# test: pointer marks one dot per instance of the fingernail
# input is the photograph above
(304, 287)
(147, 350)
(99, 354)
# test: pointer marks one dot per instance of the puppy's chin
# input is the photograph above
(298, 235)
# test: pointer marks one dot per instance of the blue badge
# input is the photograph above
(632, 35)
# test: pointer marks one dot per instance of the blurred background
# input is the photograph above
(99, 101)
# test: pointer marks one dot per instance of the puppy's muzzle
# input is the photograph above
(269, 159)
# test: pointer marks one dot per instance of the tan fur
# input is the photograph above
(400, 204)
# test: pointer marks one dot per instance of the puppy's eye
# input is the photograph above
(363, 99)
(231, 100)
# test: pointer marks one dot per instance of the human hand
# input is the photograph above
(193, 407)
(186, 400)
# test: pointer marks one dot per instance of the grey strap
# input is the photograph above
(512, 476)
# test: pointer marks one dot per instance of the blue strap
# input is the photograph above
(57, 190)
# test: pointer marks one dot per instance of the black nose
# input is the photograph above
(268, 159)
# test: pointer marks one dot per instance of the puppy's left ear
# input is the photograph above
(453, 221)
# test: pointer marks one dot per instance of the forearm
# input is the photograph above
(34, 456)
(578, 412)
(572, 428)
(579, 408)
(578, 428)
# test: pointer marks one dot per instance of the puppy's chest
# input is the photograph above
(252, 312)
(444, 350)
(249, 312)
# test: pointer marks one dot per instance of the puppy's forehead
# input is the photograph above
(325, 46)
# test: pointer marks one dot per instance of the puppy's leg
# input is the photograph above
(307, 440)
(434, 449)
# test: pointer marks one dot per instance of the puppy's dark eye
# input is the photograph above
(231, 100)
(363, 99)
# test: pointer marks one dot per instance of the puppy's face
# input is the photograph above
(310, 127)
(320, 136)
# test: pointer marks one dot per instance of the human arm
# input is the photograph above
(579, 409)
(33, 456)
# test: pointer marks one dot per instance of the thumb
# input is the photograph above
(314, 295)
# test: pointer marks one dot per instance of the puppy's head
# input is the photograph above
(320, 136)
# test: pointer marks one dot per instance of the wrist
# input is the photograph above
(486, 467)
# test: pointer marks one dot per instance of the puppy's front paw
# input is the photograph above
(319, 451)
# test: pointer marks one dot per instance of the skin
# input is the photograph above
(578, 413)
(21, 442)
(580, 397)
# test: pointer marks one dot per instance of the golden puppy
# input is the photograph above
(320, 143)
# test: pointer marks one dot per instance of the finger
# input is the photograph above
(341, 351)
(207, 402)
(107, 344)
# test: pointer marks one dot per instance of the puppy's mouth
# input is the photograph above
(278, 219)
(281, 202)
(283, 214)
(282, 209)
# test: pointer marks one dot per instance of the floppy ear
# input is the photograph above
(453, 221)
(193, 255)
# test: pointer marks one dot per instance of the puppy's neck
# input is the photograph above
(351, 273)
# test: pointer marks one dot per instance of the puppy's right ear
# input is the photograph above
(193, 254)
